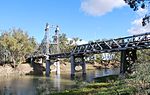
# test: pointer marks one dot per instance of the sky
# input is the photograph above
(87, 19)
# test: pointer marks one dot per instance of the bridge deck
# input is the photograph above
(141, 41)
(132, 42)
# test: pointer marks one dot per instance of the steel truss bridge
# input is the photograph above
(126, 45)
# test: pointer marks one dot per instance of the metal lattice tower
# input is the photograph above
(57, 39)
(56, 43)
(46, 41)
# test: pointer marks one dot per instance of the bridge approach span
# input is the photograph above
(126, 45)
(141, 41)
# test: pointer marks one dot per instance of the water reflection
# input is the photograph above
(97, 73)
(57, 79)
(16, 86)
(106, 72)
(31, 85)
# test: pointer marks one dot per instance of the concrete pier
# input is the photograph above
(58, 68)
(83, 66)
(47, 66)
(72, 58)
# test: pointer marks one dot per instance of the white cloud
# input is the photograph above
(78, 42)
(81, 42)
(100, 7)
(137, 27)
(141, 12)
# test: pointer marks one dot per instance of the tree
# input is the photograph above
(76, 39)
(18, 44)
(135, 4)
(141, 75)
(65, 45)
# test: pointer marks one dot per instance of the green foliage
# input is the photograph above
(98, 85)
(117, 87)
(100, 89)
(65, 45)
(106, 78)
(143, 55)
(135, 4)
(18, 44)
(43, 87)
(141, 75)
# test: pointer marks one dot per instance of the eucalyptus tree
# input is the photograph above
(76, 39)
(63, 41)
(18, 44)
(135, 4)
(143, 56)
(64, 44)
(141, 76)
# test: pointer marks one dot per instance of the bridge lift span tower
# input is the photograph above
(46, 48)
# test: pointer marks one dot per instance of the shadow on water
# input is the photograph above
(37, 69)
(31, 85)
(91, 74)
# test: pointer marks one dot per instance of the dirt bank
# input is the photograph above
(66, 66)
(39, 69)
(8, 70)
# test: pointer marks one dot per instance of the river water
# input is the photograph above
(31, 85)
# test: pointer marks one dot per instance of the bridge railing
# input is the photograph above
(130, 42)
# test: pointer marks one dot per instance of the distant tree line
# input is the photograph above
(16, 46)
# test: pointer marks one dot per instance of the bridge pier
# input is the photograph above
(72, 58)
(83, 66)
(57, 67)
(74, 64)
(123, 62)
(128, 58)
(47, 66)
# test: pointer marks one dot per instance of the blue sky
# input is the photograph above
(86, 19)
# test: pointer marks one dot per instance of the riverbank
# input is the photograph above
(21, 69)
(66, 66)
(111, 85)
(42, 85)
(100, 89)
(39, 69)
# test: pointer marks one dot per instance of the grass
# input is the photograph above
(112, 87)
(106, 78)
(98, 89)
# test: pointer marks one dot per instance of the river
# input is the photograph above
(31, 85)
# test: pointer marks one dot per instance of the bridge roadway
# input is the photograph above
(124, 45)
(141, 41)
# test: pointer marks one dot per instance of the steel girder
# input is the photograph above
(141, 41)
(128, 58)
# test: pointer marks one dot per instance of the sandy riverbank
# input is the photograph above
(8, 70)
(39, 69)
